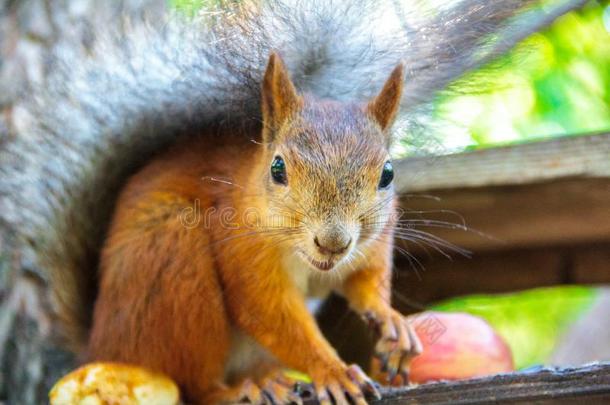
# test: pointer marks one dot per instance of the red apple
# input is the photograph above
(457, 346)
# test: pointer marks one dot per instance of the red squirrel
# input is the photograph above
(220, 306)
(173, 105)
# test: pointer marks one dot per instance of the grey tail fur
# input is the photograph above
(106, 109)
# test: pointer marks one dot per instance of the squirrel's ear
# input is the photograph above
(384, 107)
(279, 97)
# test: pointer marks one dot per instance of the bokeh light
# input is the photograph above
(555, 83)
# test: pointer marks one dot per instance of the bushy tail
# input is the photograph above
(106, 108)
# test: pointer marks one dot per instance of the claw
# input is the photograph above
(271, 398)
(397, 345)
(417, 347)
(372, 389)
(359, 377)
(389, 331)
(323, 397)
(338, 395)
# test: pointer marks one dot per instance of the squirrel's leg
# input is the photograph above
(160, 304)
(369, 294)
(270, 308)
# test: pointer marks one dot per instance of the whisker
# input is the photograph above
(411, 258)
(230, 183)
(376, 207)
(413, 261)
(419, 243)
(422, 196)
(432, 240)
(451, 212)
(437, 246)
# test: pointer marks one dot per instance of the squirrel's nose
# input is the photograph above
(332, 241)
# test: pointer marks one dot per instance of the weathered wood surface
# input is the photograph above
(438, 278)
(590, 383)
(532, 215)
(552, 192)
(544, 386)
(530, 163)
(556, 212)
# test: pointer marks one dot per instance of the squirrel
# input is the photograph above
(312, 207)
(136, 135)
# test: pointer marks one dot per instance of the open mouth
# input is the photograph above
(318, 264)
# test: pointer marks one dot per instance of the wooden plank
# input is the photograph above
(539, 386)
(545, 193)
(439, 278)
(581, 156)
(565, 211)
(544, 386)
(532, 215)
(592, 265)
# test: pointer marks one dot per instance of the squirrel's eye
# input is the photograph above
(387, 175)
(278, 171)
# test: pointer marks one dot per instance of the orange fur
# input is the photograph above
(175, 296)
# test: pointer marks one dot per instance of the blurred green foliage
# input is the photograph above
(556, 82)
(191, 7)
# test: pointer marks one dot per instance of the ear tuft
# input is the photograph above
(279, 97)
(384, 107)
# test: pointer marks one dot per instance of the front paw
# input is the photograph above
(343, 385)
(397, 345)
